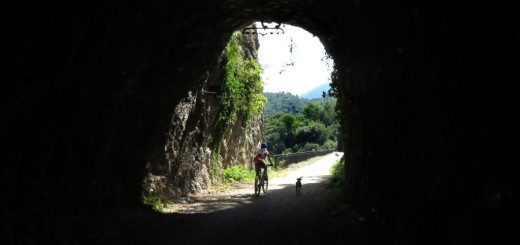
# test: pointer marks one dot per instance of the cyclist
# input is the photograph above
(261, 154)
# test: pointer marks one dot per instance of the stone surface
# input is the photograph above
(187, 159)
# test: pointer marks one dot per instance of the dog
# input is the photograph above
(298, 186)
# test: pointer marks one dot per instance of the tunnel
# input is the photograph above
(428, 94)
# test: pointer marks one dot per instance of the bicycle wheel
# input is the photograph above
(266, 183)
(257, 187)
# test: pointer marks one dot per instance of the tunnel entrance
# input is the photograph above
(232, 98)
(297, 81)
(94, 91)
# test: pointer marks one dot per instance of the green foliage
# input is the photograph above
(298, 122)
(290, 121)
(283, 102)
(341, 105)
(313, 111)
(292, 104)
(330, 144)
(241, 95)
(314, 127)
(243, 87)
(312, 132)
(329, 113)
(156, 202)
(280, 130)
(311, 147)
(238, 173)
(337, 173)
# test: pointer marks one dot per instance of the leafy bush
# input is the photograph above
(329, 144)
(281, 164)
(237, 173)
(336, 172)
(155, 201)
(243, 86)
(311, 146)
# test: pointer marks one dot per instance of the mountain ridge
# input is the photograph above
(316, 92)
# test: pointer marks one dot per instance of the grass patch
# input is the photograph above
(156, 202)
(238, 173)
(241, 174)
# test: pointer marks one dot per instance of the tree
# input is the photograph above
(280, 129)
(313, 111)
(329, 113)
(314, 132)
(312, 126)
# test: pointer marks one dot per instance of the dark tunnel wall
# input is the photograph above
(429, 94)
(434, 93)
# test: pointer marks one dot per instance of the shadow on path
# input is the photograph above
(278, 216)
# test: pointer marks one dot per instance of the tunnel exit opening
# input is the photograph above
(296, 78)
(255, 56)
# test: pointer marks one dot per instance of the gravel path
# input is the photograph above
(236, 216)
(315, 173)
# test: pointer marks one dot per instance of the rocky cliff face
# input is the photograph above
(185, 166)
(240, 142)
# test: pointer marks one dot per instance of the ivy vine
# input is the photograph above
(243, 87)
(242, 93)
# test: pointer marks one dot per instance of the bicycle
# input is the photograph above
(262, 183)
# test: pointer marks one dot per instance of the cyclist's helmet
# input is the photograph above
(263, 145)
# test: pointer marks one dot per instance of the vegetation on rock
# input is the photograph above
(241, 94)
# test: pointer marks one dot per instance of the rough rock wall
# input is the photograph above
(239, 145)
(186, 166)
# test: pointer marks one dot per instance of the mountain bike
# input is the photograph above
(262, 183)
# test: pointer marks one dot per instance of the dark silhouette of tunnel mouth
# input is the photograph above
(263, 29)
(430, 117)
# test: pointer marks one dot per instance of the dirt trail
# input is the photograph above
(276, 217)
(315, 173)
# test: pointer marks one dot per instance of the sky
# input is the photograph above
(274, 55)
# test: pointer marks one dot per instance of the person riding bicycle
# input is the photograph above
(261, 154)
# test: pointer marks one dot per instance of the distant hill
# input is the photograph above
(283, 102)
(289, 103)
(316, 92)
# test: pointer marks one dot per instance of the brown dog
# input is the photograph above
(298, 186)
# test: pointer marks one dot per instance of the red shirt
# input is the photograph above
(261, 154)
